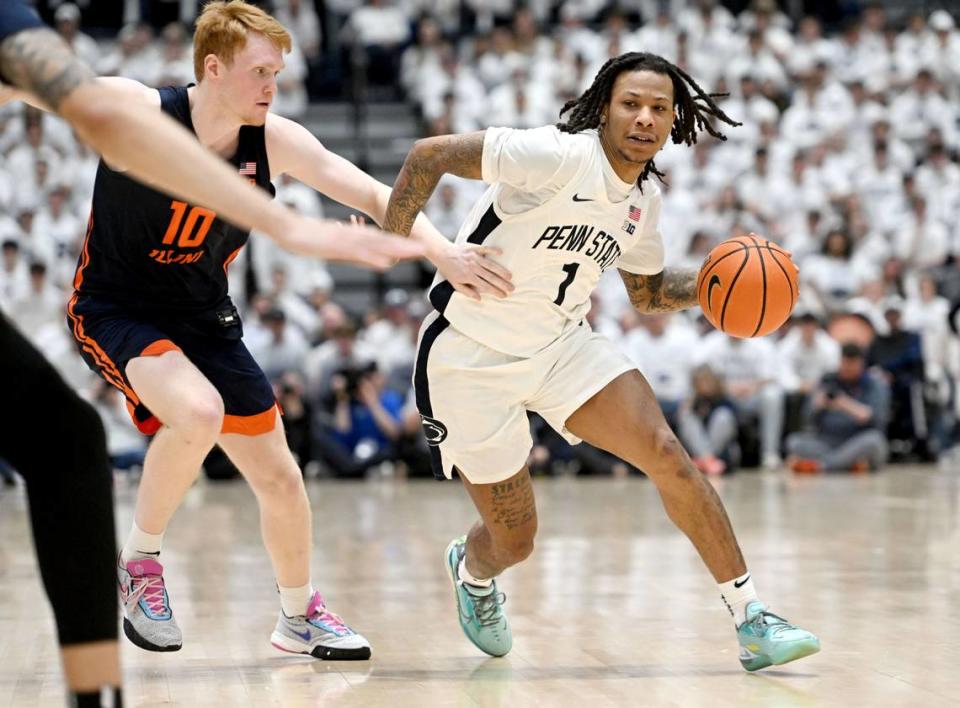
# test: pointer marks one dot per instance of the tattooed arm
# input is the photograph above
(426, 162)
(39, 63)
(429, 159)
(670, 289)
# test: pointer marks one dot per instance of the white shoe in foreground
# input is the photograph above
(319, 633)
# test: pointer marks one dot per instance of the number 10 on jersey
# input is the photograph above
(187, 240)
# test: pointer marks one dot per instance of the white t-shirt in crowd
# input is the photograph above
(666, 361)
(807, 363)
(561, 216)
(740, 360)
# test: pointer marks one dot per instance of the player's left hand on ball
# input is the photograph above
(472, 271)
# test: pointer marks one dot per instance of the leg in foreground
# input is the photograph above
(192, 412)
(502, 538)
(305, 625)
(68, 487)
(624, 419)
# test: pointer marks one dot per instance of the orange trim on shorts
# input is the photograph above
(250, 424)
(161, 346)
(150, 426)
(84, 255)
(108, 369)
(88, 343)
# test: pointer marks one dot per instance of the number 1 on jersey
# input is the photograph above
(571, 270)
(186, 241)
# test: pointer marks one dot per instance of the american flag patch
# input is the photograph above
(635, 213)
(248, 168)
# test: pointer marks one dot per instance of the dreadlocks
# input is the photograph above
(693, 111)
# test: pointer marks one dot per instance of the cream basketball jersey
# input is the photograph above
(562, 217)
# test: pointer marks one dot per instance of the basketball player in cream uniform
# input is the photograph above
(565, 204)
(561, 216)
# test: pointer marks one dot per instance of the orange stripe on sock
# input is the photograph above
(250, 424)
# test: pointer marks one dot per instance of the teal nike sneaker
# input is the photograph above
(480, 609)
(766, 639)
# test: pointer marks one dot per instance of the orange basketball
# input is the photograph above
(747, 286)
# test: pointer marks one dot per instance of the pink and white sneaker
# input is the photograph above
(319, 633)
(147, 618)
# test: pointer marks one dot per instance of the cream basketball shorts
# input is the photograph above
(473, 400)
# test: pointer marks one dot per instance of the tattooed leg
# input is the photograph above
(508, 523)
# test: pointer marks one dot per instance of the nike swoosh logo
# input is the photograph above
(577, 198)
(305, 636)
(742, 582)
(714, 282)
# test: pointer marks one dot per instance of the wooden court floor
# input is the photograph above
(613, 609)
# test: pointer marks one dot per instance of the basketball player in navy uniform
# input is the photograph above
(151, 315)
(70, 498)
(566, 202)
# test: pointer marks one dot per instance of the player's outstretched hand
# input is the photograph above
(361, 245)
(472, 270)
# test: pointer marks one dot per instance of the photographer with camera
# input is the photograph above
(848, 415)
(363, 424)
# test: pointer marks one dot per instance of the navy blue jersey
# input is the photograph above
(15, 17)
(148, 250)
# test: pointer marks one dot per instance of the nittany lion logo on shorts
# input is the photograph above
(434, 430)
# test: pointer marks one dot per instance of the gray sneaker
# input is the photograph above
(147, 618)
(319, 633)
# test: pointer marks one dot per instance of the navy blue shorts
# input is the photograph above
(110, 335)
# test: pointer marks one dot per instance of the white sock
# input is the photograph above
(736, 595)
(141, 544)
(469, 579)
(294, 601)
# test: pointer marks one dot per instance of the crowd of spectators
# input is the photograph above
(848, 156)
